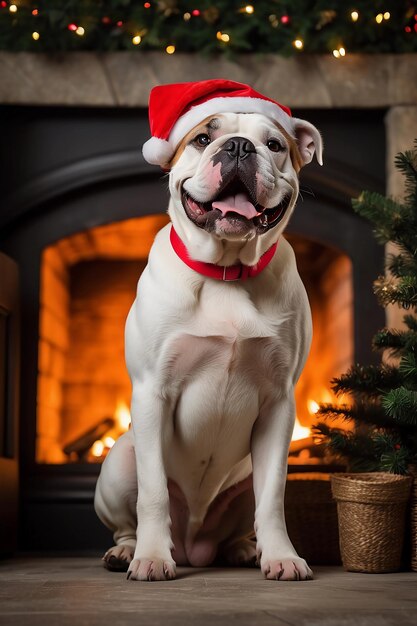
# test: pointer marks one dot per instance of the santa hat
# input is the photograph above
(175, 109)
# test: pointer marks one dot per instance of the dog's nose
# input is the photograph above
(239, 147)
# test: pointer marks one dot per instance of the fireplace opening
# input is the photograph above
(88, 283)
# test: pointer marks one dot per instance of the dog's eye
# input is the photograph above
(274, 145)
(202, 140)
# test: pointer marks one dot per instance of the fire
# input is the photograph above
(97, 448)
(122, 415)
(313, 406)
(300, 432)
(101, 447)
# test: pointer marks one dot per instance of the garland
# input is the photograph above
(284, 27)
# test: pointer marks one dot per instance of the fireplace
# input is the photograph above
(82, 209)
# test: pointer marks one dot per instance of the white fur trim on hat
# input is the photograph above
(160, 151)
(157, 151)
(229, 104)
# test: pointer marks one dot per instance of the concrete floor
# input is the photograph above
(80, 592)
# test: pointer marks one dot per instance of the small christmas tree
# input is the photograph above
(384, 397)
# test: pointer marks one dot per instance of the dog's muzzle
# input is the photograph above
(235, 200)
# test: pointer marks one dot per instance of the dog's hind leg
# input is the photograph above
(115, 501)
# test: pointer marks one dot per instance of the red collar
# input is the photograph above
(220, 272)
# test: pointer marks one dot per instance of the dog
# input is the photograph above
(215, 342)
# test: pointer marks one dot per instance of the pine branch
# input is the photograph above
(403, 291)
(397, 341)
(406, 162)
(370, 380)
(361, 412)
(408, 367)
(400, 265)
(401, 405)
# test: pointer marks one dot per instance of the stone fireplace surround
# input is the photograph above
(124, 80)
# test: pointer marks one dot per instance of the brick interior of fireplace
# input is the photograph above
(88, 284)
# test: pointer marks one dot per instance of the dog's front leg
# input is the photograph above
(152, 559)
(271, 437)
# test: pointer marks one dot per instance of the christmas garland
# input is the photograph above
(284, 27)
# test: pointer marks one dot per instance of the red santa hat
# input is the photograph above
(175, 109)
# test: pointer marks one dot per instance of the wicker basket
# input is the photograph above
(413, 517)
(371, 510)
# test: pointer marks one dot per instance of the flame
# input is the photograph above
(312, 406)
(122, 415)
(97, 448)
(300, 432)
(109, 442)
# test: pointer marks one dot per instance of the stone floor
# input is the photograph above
(80, 592)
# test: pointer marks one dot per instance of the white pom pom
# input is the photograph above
(157, 151)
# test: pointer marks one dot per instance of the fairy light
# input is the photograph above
(298, 43)
(119, 23)
(387, 15)
(72, 27)
(285, 19)
(13, 8)
(223, 36)
(339, 52)
(196, 12)
(147, 5)
(379, 18)
(354, 16)
(35, 36)
(187, 16)
(3, 4)
(170, 49)
(109, 442)
(80, 31)
(35, 12)
(136, 40)
(249, 9)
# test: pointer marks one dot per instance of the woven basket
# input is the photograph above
(413, 517)
(371, 510)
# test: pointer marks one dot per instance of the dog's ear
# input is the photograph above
(309, 141)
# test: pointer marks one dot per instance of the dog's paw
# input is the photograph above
(286, 569)
(241, 553)
(117, 559)
(151, 569)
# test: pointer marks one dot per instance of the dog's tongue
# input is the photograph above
(236, 204)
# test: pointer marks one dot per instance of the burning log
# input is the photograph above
(81, 445)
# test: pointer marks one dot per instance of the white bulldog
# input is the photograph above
(213, 362)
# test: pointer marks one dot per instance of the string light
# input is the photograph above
(196, 12)
(106, 20)
(35, 12)
(13, 8)
(136, 40)
(223, 36)
(339, 52)
(72, 27)
(35, 36)
(170, 49)
(354, 16)
(298, 43)
(285, 19)
(147, 5)
(379, 18)
(80, 31)
(3, 4)
(249, 9)
(387, 15)
(187, 16)
(119, 23)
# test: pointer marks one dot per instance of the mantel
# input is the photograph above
(125, 78)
